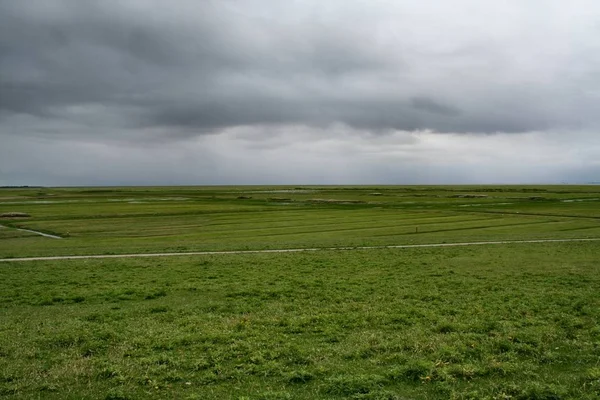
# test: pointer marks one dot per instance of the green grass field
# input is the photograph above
(503, 321)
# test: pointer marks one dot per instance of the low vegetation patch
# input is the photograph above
(335, 201)
(14, 214)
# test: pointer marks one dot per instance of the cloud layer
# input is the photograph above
(128, 76)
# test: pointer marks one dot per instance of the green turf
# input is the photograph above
(517, 321)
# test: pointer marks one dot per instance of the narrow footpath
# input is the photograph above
(207, 253)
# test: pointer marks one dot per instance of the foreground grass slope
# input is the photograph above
(503, 322)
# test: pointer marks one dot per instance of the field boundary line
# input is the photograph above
(32, 231)
(299, 250)
(39, 233)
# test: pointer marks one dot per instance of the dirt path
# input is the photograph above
(204, 253)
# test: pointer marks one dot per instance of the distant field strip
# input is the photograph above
(371, 225)
(258, 225)
(201, 253)
(250, 225)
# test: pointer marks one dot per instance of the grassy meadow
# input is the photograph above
(504, 321)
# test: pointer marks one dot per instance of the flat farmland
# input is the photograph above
(499, 321)
(138, 220)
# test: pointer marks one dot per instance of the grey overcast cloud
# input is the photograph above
(144, 92)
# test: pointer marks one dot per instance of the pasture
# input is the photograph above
(498, 321)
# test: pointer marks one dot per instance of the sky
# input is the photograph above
(193, 92)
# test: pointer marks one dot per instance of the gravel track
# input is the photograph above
(204, 253)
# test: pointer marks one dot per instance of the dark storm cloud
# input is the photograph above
(200, 66)
(370, 115)
(429, 105)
